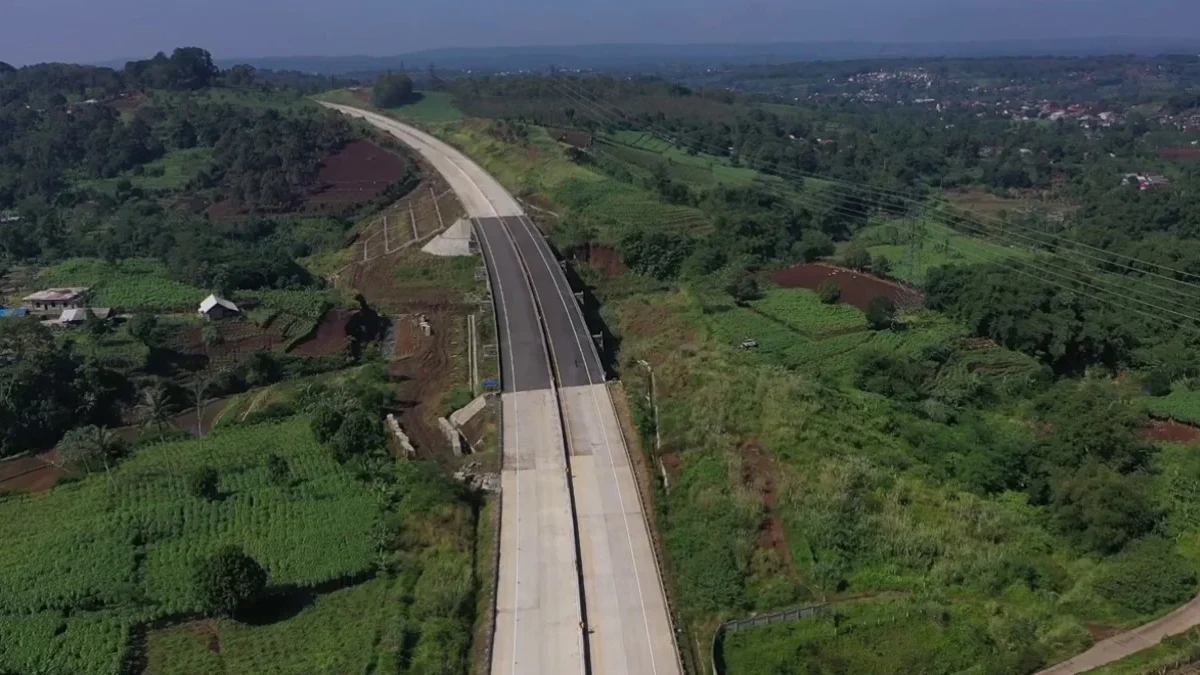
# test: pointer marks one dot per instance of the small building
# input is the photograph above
(56, 299)
(215, 308)
(73, 316)
(16, 313)
(102, 313)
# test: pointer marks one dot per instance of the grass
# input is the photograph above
(170, 173)
(416, 271)
(608, 206)
(939, 246)
(1168, 657)
(1182, 404)
(863, 512)
(134, 284)
(110, 552)
(433, 107)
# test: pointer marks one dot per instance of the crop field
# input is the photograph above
(130, 285)
(127, 542)
(108, 553)
(939, 246)
(172, 172)
(643, 149)
(1182, 405)
(795, 330)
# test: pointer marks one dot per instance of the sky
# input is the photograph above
(33, 31)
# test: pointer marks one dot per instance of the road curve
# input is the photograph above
(628, 624)
(1130, 642)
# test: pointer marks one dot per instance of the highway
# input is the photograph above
(575, 551)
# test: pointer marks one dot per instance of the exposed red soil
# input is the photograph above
(408, 336)
(239, 339)
(758, 474)
(36, 473)
(1170, 431)
(423, 378)
(604, 259)
(1099, 631)
(1183, 153)
(673, 462)
(858, 289)
(357, 173)
(330, 337)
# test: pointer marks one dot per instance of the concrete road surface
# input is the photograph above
(539, 619)
(1130, 642)
(630, 624)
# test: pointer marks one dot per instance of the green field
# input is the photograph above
(1182, 405)
(170, 173)
(646, 151)
(864, 490)
(102, 555)
(130, 285)
(434, 107)
(939, 246)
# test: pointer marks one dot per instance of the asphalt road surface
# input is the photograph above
(539, 619)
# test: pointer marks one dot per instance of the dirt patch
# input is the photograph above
(1170, 431)
(758, 474)
(1099, 631)
(330, 337)
(35, 473)
(239, 339)
(1183, 154)
(358, 173)
(422, 378)
(604, 259)
(858, 289)
(673, 463)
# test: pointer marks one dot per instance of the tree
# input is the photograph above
(325, 422)
(84, 447)
(228, 581)
(204, 483)
(813, 245)
(1158, 382)
(154, 408)
(881, 313)
(96, 326)
(1103, 510)
(744, 289)
(856, 256)
(881, 266)
(829, 292)
(392, 90)
(1147, 577)
(360, 434)
(144, 328)
(278, 469)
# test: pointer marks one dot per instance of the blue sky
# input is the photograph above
(97, 30)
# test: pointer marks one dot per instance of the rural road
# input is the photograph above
(555, 405)
(1128, 643)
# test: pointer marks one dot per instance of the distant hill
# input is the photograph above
(616, 56)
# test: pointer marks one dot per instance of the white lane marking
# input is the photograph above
(528, 275)
(607, 447)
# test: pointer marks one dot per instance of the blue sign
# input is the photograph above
(491, 384)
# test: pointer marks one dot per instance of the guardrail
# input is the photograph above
(738, 625)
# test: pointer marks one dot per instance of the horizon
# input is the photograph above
(82, 32)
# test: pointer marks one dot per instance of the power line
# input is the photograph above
(892, 194)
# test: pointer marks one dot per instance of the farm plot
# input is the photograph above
(1182, 404)
(128, 540)
(132, 285)
(358, 173)
(857, 289)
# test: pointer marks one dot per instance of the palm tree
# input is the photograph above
(199, 391)
(84, 446)
(155, 408)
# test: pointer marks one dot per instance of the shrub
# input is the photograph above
(856, 257)
(1148, 576)
(1158, 383)
(326, 420)
(813, 245)
(881, 313)
(203, 483)
(360, 434)
(829, 292)
(456, 399)
(228, 581)
(278, 469)
(881, 266)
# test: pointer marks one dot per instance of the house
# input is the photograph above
(73, 316)
(9, 217)
(215, 308)
(56, 299)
